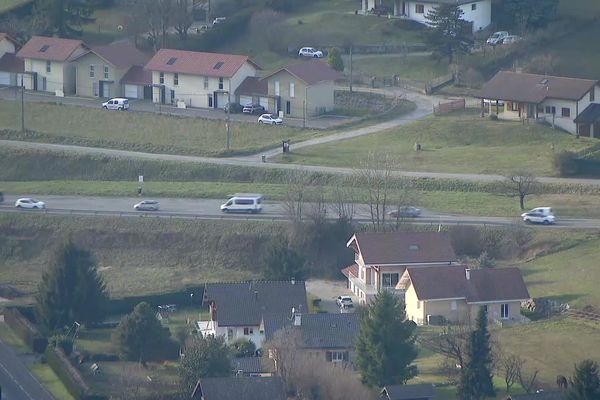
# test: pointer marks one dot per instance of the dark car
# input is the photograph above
(233, 108)
(1, 197)
(253, 109)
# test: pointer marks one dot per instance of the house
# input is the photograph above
(47, 64)
(11, 67)
(255, 90)
(237, 309)
(381, 258)
(101, 68)
(330, 337)
(439, 294)
(477, 12)
(196, 79)
(571, 104)
(7, 44)
(238, 388)
(423, 391)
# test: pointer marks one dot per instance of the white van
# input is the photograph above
(250, 203)
(118, 103)
(545, 211)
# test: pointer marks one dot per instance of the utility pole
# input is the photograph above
(350, 68)
(22, 105)
(227, 122)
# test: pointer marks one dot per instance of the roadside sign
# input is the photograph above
(141, 179)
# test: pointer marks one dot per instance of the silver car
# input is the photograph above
(147, 205)
(405, 212)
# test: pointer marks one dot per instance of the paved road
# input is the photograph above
(209, 209)
(16, 380)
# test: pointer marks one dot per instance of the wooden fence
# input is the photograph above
(445, 108)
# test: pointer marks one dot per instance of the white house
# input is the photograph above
(478, 12)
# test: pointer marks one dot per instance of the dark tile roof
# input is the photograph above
(590, 115)
(380, 248)
(252, 365)
(244, 303)
(137, 75)
(238, 388)
(533, 88)
(122, 54)
(253, 86)
(540, 396)
(318, 331)
(483, 285)
(50, 48)
(409, 392)
(11, 63)
(311, 71)
(197, 63)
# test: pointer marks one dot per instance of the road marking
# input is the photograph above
(15, 381)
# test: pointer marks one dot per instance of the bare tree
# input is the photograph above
(182, 18)
(528, 382)
(509, 368)
(452, 344)
(344, 199)
(521, 184)
(165, 9)
(402, 196)
(375, 175)
(283, 350)
(304, 194)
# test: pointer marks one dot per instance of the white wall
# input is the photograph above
(238, 333)
(481, 16)
(245, 71)
(189, 90)
(565, 123)
(6, 46)
(54, 78)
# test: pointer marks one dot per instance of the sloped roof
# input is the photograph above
(252, 365)
(350, 270)
(553, 395)
(122, 54)
(484, 285)
(244, 303)
(311, 71)
(137, 75)
(49, 48)
(534, 88)
(4, 35)
(590, 115)
(381, 248)
(197, 63)
(237, 388)
(253, 86)
(11, 63)
(409, 392)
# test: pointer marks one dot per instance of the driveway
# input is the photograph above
(328, 291)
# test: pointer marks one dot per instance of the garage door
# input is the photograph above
(245, 100)
(264, 101)
(5, 78)
(131, 91)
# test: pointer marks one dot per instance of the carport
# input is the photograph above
(254, 90)
(137, 83)
(588, 122)
(11, 70)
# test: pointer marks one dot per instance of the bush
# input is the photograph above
(243, 348)
(493, 117)
(63, 342)
(25, 329)
(565, 163)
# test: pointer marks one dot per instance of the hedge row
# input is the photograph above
(27, 331)
(180, 298)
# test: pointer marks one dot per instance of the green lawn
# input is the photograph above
(50, 380)
(140, 131)
(586, 9)
(7, 5)
(417, 68)
(460, 142)
(9, 337)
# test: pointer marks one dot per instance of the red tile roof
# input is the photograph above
(311, 71)
(11, 63)
(351, 270)
(137, 75)
(197, 63)
(49, 48)
(121, 54)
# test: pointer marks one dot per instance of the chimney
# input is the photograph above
(256, 295)
(468, 274)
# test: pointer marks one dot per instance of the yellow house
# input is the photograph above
(441, 294)
(47, 64)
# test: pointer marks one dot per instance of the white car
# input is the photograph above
(117, 103)
(27, 202)
(342, 300)
(269, 119)
(219, 20)
(511, 39)
(310, 52)
(538, 217)
(347, 308)
(497, 38)
(147, 205)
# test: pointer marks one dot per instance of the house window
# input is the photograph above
(161, 78)
(362, 274)
(548, 110)
(206, 82)
(220, 83)
(592, 94)
(336, 356)
(48, 66)
(485, 308)
(92, 71)
(95, 88)
(418, 305)
(566, 112)
(389, 280)
(276, 88)
(176, 79)
(292, 89)
(229, 333)
(514, 106)
(210, 101)
(420, 8)
(106, 72)
(453, 305)
(504, 311)
(248, 331)
(473, 6)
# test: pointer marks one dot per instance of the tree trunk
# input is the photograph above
(522, 201)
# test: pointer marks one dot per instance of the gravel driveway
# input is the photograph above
(327, 291)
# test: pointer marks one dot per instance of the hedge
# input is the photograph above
(25, 329)
(180, 298)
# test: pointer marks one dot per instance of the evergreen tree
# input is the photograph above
(385, 347)
(139, 334)
(71, 290)
(63, 18)
(334, 59)
(585, 383)
(448, 33)
(204, 357)
(476, 378)
(283, 263)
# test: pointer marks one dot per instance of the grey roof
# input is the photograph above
(137, 75)
(244, 303)
(590, 115)
(252, 365)
(319, 331)
(253, 85)
(121, 54)
(409, 392)
(541, 396)
(238, 388)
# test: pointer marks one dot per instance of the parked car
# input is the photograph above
(310, 52)
(219, 20)
(510, 39)
(250, 203)
(27, 202)
(270, 119)
(1, 197)
(347, 308)
(341, 300)
(496, 38)
(233, 108)
(253, 109)
(539, 215)
(147, 205)
(118, 103)
(405, 212)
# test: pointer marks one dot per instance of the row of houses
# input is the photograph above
(67, 67)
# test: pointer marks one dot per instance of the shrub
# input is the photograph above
(565, 163)
(243, 348)
(485, 261)
(493, 117)
(63, 342)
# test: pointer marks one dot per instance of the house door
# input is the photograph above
(584, 130)
(172, 96)
(44, 84)
(288, 107)
(101, 91)
(162, 95)
(210, 101)
(34, 78)
(596, 132)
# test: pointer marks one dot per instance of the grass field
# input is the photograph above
(50, 380)
(417, 68)
(7, 5)
(140, 131)
(460, 142)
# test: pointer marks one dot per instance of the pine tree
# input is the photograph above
(585, 383)
(448, 32)
(334, 59)
(385, 347)
(476, 378)
(71, 290)
(63, 18)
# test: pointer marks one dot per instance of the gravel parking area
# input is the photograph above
(327, 291)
